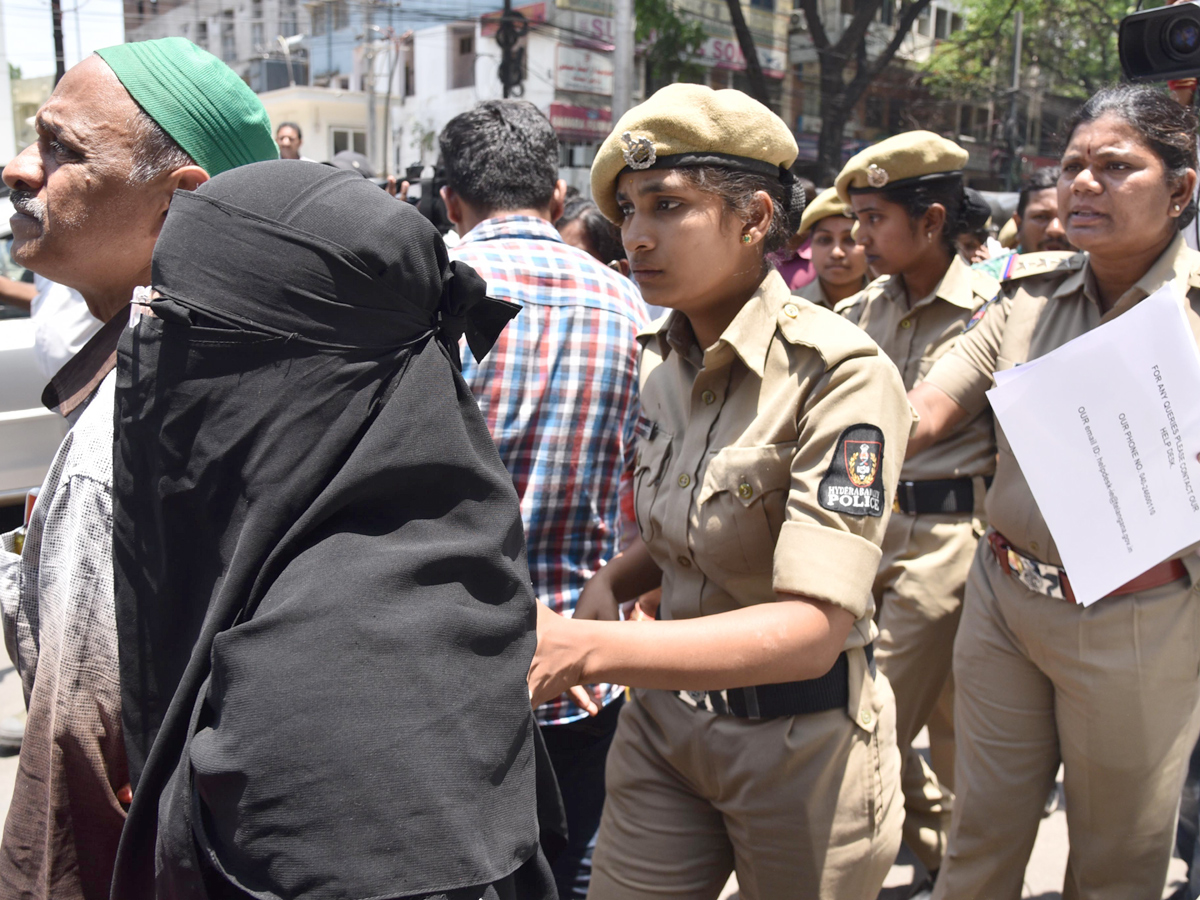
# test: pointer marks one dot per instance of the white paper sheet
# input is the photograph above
(1106, 429)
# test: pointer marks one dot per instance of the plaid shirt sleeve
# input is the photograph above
(559, 394)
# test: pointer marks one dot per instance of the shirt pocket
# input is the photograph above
(651, 459)
(741, 506)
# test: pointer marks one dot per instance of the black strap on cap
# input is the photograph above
(907, 182)
(795, 197)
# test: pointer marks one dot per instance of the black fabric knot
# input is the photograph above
(796, 198)
(465, 308)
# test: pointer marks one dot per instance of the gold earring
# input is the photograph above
(747, 239)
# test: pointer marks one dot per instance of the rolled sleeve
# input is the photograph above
(828, 551)
(823, 564)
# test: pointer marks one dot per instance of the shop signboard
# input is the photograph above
(580, 124)
(583, 71)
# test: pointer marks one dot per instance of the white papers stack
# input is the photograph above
(1106, 429)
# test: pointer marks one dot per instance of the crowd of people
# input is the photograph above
(612, 546)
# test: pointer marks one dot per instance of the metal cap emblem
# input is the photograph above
(638, 152)
(876, 177)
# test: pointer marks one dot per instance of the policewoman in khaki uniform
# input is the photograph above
(1110, 690)
(759, 737)
(907, 193)
(840, 261)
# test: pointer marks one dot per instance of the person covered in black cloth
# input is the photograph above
(324, 608)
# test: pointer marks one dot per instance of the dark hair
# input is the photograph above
(1042, 179)
(292, 125)
(603, 235)
(501, 155)
(1167, 128)
(963, 215)
(737, 190)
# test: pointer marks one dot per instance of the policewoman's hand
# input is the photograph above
(557, 663)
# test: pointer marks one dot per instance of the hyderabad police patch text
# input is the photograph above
(854, 483)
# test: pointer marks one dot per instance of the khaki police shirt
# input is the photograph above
(1049, 299)
(745, 453)
(918, 336)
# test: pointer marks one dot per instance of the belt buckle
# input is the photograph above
(1041, 578)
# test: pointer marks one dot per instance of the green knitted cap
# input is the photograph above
(197, 100)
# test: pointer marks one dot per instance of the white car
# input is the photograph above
(29, 433)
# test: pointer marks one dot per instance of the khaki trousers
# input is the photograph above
(1110, 691)
(804, 807)
(919, 593)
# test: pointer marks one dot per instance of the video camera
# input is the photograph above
(1161, 44)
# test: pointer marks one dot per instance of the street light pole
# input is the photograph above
(622, 59)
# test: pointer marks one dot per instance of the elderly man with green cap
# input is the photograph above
(123, 131)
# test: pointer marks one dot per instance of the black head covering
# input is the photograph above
(323, 604)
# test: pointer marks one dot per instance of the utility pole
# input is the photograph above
(369, 83)
(622, 59)
(1010, 127)
(513, 27)
(60, 62)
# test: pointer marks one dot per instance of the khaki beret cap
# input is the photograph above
(1009, 236)
(827, 204)
(899, 161)
(691, 125)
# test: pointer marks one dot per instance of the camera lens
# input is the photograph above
(1183, 36)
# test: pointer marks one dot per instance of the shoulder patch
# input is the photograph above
(853, 485)
(978, 315)
(1027, 264)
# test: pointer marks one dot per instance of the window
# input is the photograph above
(202, 34)
(923, 24)
(462, 59)
(319, 22)
(956, 23)
(228, 38)
(941, 28)
(887, 12)
(768, 5)
(341, 15)
(256, 24)
(410, 82)
(289, 23)
(348, 139)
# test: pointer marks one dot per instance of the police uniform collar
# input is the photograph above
(1174, 264)
(750, 333)
(954, 288)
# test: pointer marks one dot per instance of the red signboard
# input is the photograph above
(584, 124)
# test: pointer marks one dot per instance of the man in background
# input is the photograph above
(1039, 227)
(288, 137)
(559, 394)
(123, 130)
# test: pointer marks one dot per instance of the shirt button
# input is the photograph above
(907, 323)
(685, 480)
(709, 397)
(791, 310)
(866, 717)
(745, 491)
(684, 561)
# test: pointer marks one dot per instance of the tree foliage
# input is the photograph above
(671, 43)
(1072, 44)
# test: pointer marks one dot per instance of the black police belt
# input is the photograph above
(790, 698)
(945, 495)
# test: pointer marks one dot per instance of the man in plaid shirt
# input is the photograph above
(559, 393)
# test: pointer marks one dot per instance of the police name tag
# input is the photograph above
(854, 483)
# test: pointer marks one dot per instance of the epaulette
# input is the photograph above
(807, 325)
(1027, 264)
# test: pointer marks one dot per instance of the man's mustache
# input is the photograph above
(25, 202)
